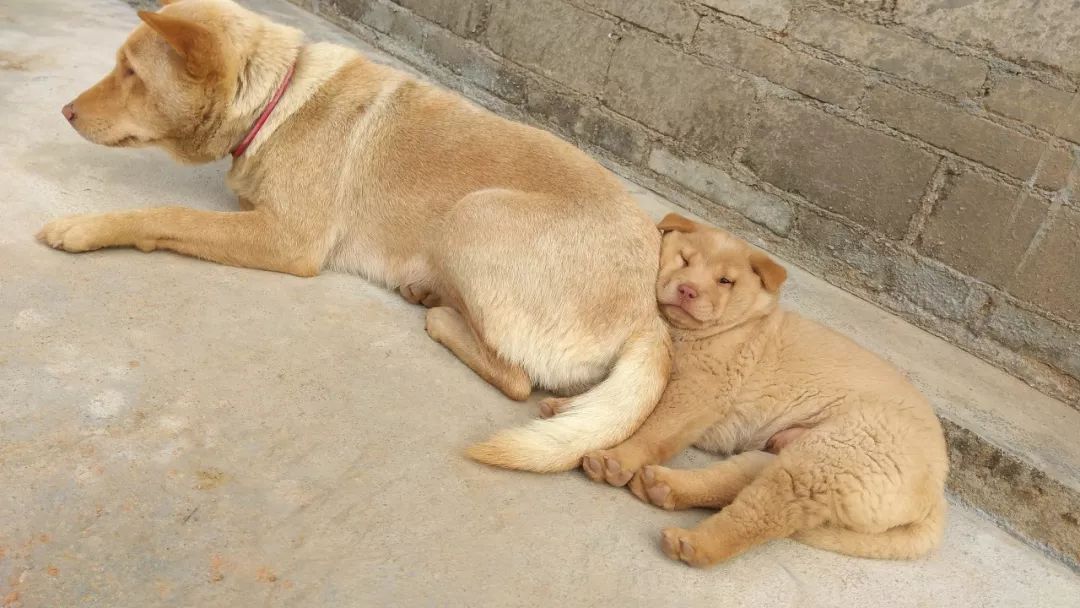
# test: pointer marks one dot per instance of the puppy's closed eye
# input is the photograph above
(725, 281)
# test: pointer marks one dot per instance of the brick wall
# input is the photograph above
(921, 153)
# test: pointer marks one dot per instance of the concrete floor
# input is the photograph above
(176, 433)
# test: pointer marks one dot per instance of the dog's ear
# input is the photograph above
(191, 40)
(673, 222)
(772, 274)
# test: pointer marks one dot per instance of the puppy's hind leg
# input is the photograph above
(447, 327)
(777, 504)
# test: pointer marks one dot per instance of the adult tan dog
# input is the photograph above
(537, 266)
(861, 461)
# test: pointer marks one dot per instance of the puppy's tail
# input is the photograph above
(902, 542)
(599, 418)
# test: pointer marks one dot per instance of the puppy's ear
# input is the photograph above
(772, 274)
(673, 222)
(191, 40)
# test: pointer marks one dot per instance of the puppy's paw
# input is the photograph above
(650, 485)
(604, 466)
(679, 544)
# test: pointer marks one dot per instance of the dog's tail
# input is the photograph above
(599, 418)
(902, 542)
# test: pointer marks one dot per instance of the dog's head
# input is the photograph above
(710, 278)
(176, 82)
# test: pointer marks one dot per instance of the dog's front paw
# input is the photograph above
(76, 233)
(606, 466)
(650, 485)
(680, 544)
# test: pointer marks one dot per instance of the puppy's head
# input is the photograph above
(709, 278)
(174, 81)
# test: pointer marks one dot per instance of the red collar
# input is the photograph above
(261, 120)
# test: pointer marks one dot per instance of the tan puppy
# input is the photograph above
(861, 466)
(537, 264)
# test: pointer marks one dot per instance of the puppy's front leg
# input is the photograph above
(251, 239)
(678, 420)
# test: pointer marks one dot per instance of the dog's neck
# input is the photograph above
(314, 65)
(276, 49)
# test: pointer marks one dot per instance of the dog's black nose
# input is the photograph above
(69, 112)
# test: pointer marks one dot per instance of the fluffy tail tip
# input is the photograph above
(505, 452)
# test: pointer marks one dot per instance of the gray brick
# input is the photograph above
(1055, 167)
(677, 95)
(982, 227)
(586, 121)
(1042, 32)
(475, 64)
(462, 17)
(629, 141)
(719, 187)
(560, 41)
(798, 71)
(665, 17)
(930, 288)
(569, 115)
(376, 14)
(773, 14)
(853, 260)
(956, 130)
(1030, 333)
(1051, 276)
(892, 52)
(869, 177)
(1037, 104)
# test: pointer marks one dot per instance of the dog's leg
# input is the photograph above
(252, 239)
(779, 503)
(677, 421)
(713, 487)
(447, 327)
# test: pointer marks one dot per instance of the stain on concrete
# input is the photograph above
(12, 62)
(209, 479)
(217, 562)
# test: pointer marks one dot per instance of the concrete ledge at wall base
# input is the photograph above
(1013, 449)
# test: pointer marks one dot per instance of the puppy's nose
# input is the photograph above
(69, 112)
(687, 291)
